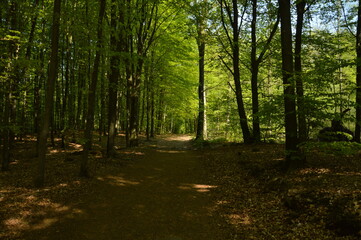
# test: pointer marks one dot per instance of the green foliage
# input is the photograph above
(335, 148)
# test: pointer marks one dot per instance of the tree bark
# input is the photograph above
(358, 76)
(254, 79)
(233, 39)
(292, 160)
(201, 105)
(237, 77)
(113, 77)
(49, 97)
(88, 135)
(302, 126)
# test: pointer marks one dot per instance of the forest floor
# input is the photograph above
(171, 189)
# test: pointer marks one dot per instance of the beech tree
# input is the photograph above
(292, 155)
(230, 13)
(88, 135)
(358, 75)
(116, 45)
(256, 60)
(141, 29)
(199, 11)
(49, 97)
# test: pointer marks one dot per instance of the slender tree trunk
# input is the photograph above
(201, 106)
(80, 96)
(113, 78)
(237, 78)
(65, 111)
(88, 135)
(10, 88)
(101, 105)
(6, 132)
(152, 115)
(160, 111)
(147, 126)
(254, 79)
(358, 76)
(292, 161)
(52, 75)
(302, 126)
(143, 113)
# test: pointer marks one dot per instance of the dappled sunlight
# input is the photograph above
(239, 219)
(169, 151)
(29, 212)
(349, 173)
(55, 151)
(222, 202)
(76, 146)
(117, 181)
(198, 187)
(181, 138)
(315, 171)
(134, 153)
(15, 162)
(45, 223)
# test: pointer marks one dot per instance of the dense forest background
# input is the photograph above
(249, 71)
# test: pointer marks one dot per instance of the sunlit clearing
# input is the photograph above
(315, 171)
(278, 159)
(118, 181)
(197, 187)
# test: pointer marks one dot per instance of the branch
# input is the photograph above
(273, 32)
(226, 65)
(344, 15)
(230, 85)
(242, 17)
(225, 49)
(224, 24)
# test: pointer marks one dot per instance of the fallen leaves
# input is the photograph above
(299, 205)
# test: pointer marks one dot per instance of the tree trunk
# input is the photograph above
(152, 115)
(254, 78)
(358, 76)
(201, 105)
(113, 78)
(302, 126)
(88, 135)
(236, 76)
(6, 131)
(292, 155)
(52, 75)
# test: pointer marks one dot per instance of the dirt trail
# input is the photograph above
(163, 195)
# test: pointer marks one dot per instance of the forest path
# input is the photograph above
(164, 194)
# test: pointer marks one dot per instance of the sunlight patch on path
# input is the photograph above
(117, 181)
(197, 187)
